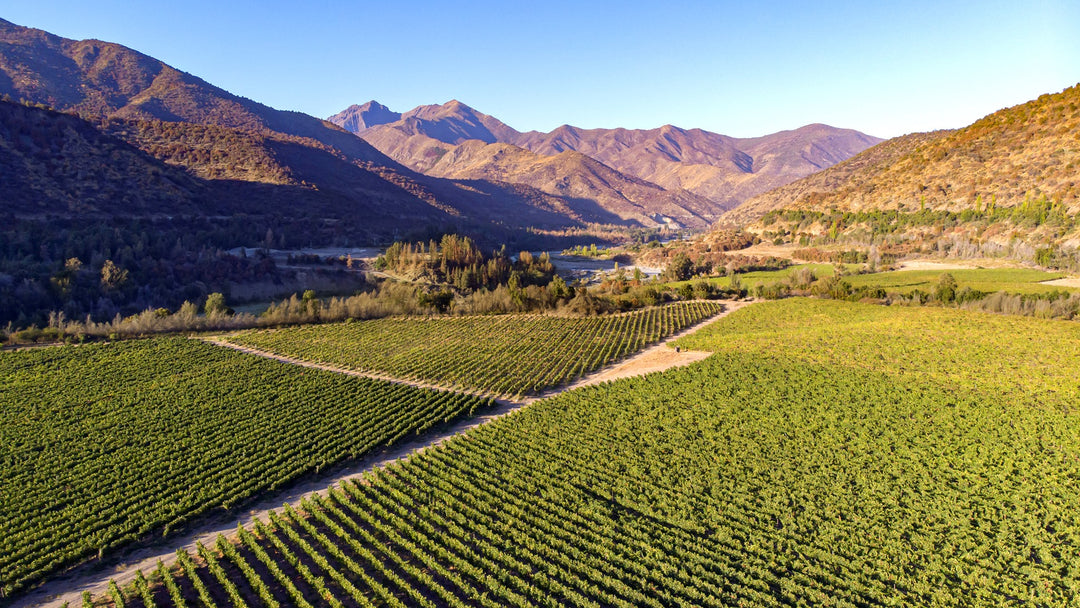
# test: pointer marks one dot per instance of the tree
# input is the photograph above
(112, 276)
(312, 304)
(62, 280)
(558, 288)
(680, 268)
(215, 305)
(945, 291)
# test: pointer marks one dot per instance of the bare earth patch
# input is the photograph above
(768, 249)
(925, 264)
(652, 360)
(1065, 282)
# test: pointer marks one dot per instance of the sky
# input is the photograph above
(739, 68)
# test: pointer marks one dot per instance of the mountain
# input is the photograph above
(848, 176)
(358, 118)
(321, 170)
(1014, 157)
(53, 163)
(724, 169)
(56, 165)
(454, 141)
(584, 183)
(95, 78)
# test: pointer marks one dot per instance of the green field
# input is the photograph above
(509, 355)
(829, 453)
(1001, 355)
(749, 280)
(103, 444)
(989, 280)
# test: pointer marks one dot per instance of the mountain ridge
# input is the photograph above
(721, 168)
(185, 121)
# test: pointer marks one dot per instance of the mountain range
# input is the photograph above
(718, 169)
(317, 170)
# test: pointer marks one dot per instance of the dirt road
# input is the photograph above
(95, 576)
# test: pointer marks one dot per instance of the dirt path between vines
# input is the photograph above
(95, 576)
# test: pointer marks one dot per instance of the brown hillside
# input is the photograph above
(588, 190)
(849, 176)
(581, 181)
(1016, 154)
(96, 78)
(56, 164)
(723, 169)
(324, 171)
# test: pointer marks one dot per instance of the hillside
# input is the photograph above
(59, 165)
(849, 175)
(95, 78)
(581, 181)
(587, 190)
(1030, 152)
(724, 169)
(52, 163)
(317, 169)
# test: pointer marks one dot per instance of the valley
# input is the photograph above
(421, 357)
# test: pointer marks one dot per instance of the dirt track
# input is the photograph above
(95, 576)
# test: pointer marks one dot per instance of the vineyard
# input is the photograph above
(792, 468)
(510, 355)
(105, 444)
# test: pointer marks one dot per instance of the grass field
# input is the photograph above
(828, 453)
(103, 444)
(749, 280)
(510, 355)
(989, 280)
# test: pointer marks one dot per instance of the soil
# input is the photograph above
(95, 576)
(924, 264)
(768, 249)
(1065, 282)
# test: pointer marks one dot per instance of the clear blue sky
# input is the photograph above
(739, 68)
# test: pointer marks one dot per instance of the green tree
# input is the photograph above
(945, 291)
(62, 279)
(558, 288)
(215, 305)
(680, 268)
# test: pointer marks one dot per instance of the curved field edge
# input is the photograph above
(759, 476)
(1027, 358)
(509, 355)
(103, 445)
